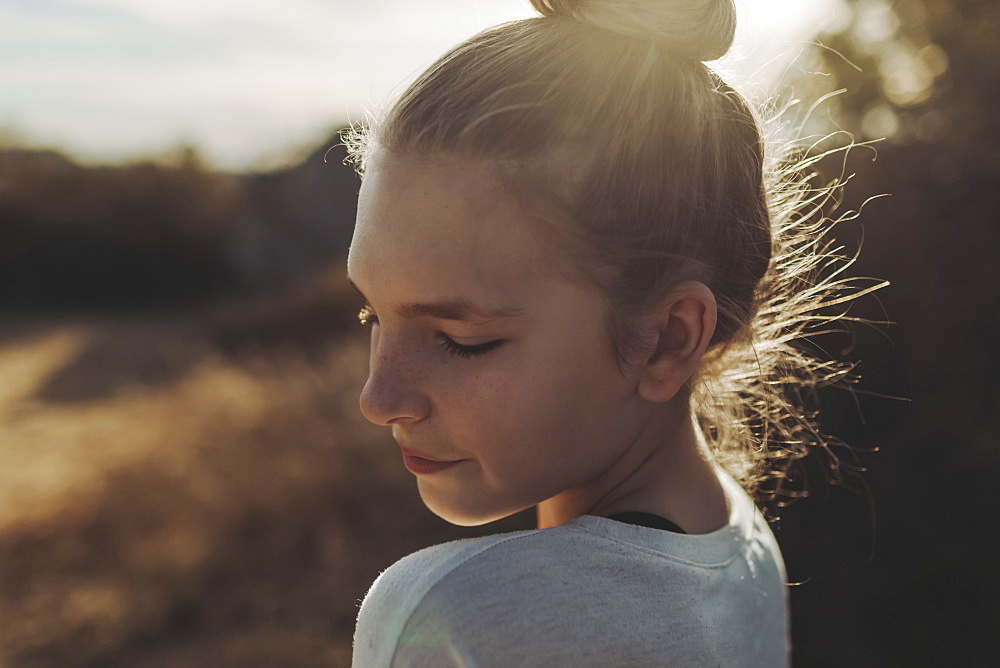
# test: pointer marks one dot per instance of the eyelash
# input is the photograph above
(469, 351)
(367, 316)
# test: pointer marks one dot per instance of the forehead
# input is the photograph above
(446, 227)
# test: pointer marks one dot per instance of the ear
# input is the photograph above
(680, 330)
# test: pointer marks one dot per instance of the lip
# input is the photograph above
(421, 464)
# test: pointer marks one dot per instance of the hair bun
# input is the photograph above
(697, 29)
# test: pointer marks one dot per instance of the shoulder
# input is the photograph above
(492, 563)
(409, 580)
(588, 590)
(403, 593)
(471, 593)
(469, 598)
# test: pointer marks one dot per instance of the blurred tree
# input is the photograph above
(300, 218)
(925, 75)
(72, 236)
(148, 234)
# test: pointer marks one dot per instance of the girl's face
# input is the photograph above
(493, 369)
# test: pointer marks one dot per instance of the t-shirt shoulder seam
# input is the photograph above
(463, 562)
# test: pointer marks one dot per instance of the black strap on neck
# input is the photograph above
(646, 520)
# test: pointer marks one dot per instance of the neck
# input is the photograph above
(663, 471)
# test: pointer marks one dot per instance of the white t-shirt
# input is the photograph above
(592, 592)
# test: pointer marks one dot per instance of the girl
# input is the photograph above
(582, 294)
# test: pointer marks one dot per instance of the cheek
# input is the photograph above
(573, 400)
(484, 406)
(523, 405)
(470, 396)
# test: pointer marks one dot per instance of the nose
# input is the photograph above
(392, 394)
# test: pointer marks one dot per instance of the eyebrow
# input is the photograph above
(451, 309)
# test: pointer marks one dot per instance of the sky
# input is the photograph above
(251, 82)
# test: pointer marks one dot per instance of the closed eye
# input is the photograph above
(367, 316)
(459, 350)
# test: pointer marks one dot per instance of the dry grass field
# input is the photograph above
(174, 495)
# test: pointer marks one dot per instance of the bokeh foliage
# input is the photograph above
(901, 572)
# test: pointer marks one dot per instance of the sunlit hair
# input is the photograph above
(651, 171)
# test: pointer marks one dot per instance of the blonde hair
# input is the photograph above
(604, 112)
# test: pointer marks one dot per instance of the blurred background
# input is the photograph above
(184, 475)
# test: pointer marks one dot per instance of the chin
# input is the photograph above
(466, 515)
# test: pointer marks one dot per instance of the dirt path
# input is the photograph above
(54, 444)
